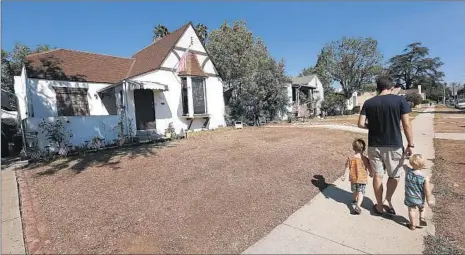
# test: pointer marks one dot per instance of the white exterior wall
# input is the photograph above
(83, 128)
(42, 97)
(320, 95)
(352, 102)
(185, 40)
(168, 105)
(37, 97)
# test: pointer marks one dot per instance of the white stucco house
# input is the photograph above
(352, 101)
(308, 86)
(171, 82)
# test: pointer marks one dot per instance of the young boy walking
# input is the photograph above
(357, 167)
(417, 188)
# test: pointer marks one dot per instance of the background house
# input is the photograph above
(301, 90)
(170, 83)
(352, 101)
(413, 90)
(362, 97)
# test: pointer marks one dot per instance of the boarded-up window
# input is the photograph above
(198, 95)
(72, 101)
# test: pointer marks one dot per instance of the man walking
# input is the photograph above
(382, 115)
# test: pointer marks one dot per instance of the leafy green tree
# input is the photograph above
(254, 81)
(321, 71)
(368, 87)
(160, 31)
(202, 32)
(352, 62)
(12, 63)
(334, 102)
(413, 67)
(414, 98)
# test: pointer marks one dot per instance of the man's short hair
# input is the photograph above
(384, 82)
(398, 85)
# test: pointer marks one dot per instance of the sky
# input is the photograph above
(295, 31)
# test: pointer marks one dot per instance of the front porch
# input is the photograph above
(302, 101)
(152, 109)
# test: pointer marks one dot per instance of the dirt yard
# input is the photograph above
(348, 120)
(449, 190)
(218, 192)
(449, 120)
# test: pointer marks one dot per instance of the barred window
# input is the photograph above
(72, 101)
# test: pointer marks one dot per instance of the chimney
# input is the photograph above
(419, 89)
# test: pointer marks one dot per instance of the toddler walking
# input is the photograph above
(357, 167)
(417, 188)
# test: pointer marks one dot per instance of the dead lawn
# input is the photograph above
(449, 190)
(449, 120)
(217, 192)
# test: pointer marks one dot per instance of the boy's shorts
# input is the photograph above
(386, 160)
(358, 187)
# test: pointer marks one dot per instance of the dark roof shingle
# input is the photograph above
(152, 56)
(61, 64)
(71, 65)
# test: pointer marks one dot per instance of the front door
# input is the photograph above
(145, 109)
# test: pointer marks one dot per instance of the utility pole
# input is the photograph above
(444, 94)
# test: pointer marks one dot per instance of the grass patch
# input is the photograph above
(449, 190)
(439, 245)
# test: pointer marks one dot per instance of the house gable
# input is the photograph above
(71, 65)
(190, 36)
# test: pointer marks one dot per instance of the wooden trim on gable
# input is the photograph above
(167, 69)
(174, 70)
(176, 54)
(193, 51)
(205, 62)
(212, 75)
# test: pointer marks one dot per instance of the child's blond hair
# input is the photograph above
(359, 145)
(417, 161)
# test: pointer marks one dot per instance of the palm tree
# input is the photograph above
(202, 32)
(159, 32)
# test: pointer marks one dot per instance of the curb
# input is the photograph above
(27, 208)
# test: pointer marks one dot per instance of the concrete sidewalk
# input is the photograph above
(12, 229)
(325, 225)
(450, 136)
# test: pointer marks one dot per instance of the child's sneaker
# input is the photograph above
(423, 222)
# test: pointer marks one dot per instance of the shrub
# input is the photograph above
(347, 112)
(414, 98)
(356, 109)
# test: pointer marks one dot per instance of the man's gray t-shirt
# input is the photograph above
(383, 114)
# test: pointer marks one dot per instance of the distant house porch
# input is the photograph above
(302, 95)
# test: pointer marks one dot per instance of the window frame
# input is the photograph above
(203, 80)
(184, 97)
(72, 95)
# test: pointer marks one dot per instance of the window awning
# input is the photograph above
(138, 85)
(147, 85)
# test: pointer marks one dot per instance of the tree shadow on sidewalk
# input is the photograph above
(339, 195)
